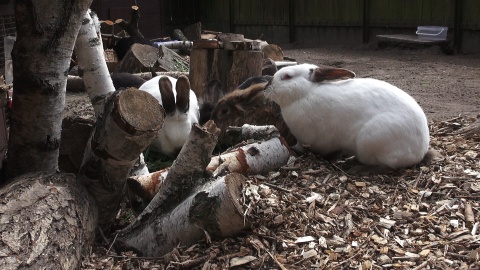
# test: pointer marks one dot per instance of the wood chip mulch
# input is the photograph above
(312, 215)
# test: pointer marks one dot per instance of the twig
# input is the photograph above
(191, 263)
(292, 168)
(113, 242)
(338, 168)
(102, 235)
(422, 265)
(135, 258)
(276, 261)
(458, 256)
(242, 252)
(276, 187)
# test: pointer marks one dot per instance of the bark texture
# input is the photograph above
(269, 153)
(139, 58)
(213, 209)
(186, 174)
(130, 122)
(91, 63)
(47, 221)
(46, 32)
(230, 68)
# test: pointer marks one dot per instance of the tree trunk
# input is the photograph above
(245, 64)
(47, 221)
(46, 32)
(130, 122)
(230, 68)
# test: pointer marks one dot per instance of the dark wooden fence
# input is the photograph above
(303, 22)
(346, 22)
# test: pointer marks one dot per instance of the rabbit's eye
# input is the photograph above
(224, 111)
(286, 77)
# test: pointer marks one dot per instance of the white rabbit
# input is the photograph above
(330, 110)
(181, 107)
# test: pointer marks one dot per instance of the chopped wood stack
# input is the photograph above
(228, 58)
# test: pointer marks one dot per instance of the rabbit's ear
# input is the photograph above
(330, 74)
(166, 91)
(183, 93)
(213, 92)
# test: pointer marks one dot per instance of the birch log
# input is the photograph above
(75, 83)
(269, 154)
(214, 209)
(254, 158)
(91, 63)
(130, 122)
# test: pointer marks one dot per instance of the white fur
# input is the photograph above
(176, 127)
(376, 121)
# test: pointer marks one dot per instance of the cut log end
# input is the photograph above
(139, 111)
(146, 54)
(235, 183)
(211, 127)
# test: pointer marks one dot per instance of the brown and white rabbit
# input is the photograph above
(181, 107)
(247, 105)
(372, 119)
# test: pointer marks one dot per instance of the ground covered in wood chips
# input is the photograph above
(310, 214)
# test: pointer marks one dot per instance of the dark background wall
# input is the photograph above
(305, 23)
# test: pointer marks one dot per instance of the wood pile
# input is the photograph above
(228, 58)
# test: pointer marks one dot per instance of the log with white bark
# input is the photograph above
(254, 158)
(147, 185)
(176, 44)
(213, 210)
(75, 83)
(188, 169)
(186, 209)
(91, 63)
(259, 157)
(47, 221)
(130, 122)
